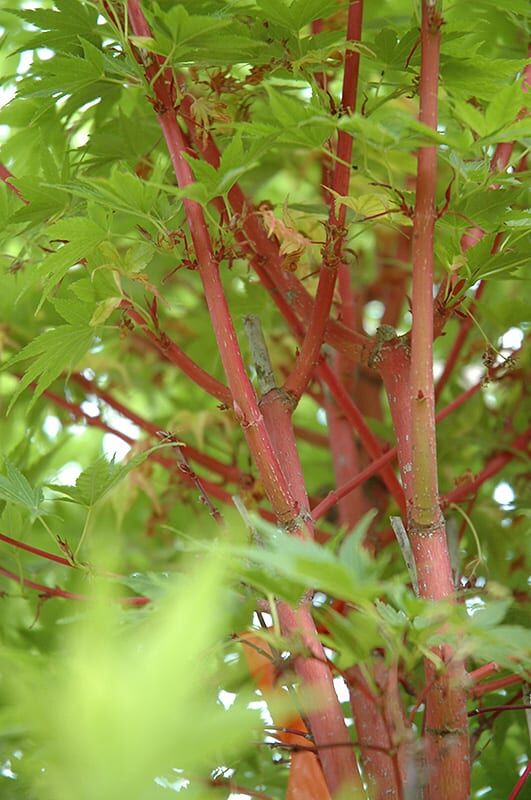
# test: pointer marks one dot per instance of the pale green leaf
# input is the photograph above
(104, 310)
(15, 488)
(53, 352)
(101, 477)
(81, 237)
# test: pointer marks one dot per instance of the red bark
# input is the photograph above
(338, 764)
(446, 724)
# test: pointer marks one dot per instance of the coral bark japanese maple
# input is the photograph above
(253, 244)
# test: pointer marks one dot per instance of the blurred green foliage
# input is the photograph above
(101, 699)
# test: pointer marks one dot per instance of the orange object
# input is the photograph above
(306, 780)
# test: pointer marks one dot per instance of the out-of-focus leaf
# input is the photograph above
(53, 351)
(15, 488)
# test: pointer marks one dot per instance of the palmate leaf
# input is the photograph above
(504, 107)
(54, 351)
(81, 236)
(303, 12)
(300, 564)
(142, 698)
(122, 191)
(235, 162)
(302, 123)
(63, 74)
(202, 39)
(97, 480)
(15, 488)
(278, 12)
(480, 77)
(62, 26)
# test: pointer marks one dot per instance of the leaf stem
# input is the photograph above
(85, 531)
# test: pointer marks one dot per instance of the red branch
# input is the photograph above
(213, 488)
(495, 465)
(446, 726)
(499, 163)
(336, 495)
(374, 467)
(494, 686)
(367, 437)
(336, 231)
(312, 437)
(520, 782)
(337, 766)
(55, 591)
(227, 471)
(176, 356)
(244, 399)
(508, 707)
(453, 355)
(5, 175)
(35, 550)
(485, 671)
(341, 397)
(289, 294)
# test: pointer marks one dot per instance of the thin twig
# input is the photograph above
(476, 711)
(186, 469)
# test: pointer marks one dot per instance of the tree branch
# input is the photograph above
(446, 728)
(336, 232)
(49, 591)
(495, 465)
(176, 356)
(339, 768)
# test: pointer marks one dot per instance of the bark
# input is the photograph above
(446, 725)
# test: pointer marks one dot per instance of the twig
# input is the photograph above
(336, 231)
(520, 782)
(186, 469)
(495, 465)
(176, 356)
(49, 591)
(493, 686)
(484, 671)
(36, 551)
(476, 711)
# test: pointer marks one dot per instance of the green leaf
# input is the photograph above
(206, 40)
(302, 122)
(471, 116)
(73, 311)
(235, 162)
(385, 45)
(353, 554)
(480, 77)
(491, 613)
(279, 12)
(368, 205)
(76, 706)
(15, 488)
(53, 351)
(100, 478)
(104, 310)
(504, 108)
(309, 564)
(302, 12)
(82, 236)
